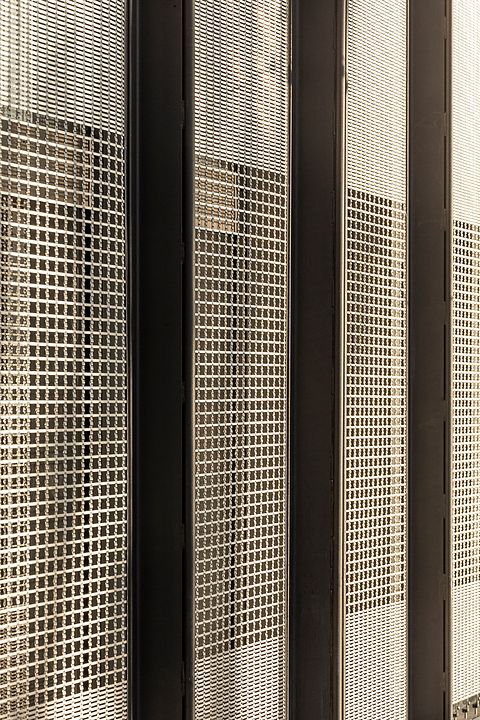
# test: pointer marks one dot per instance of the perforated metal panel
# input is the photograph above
(375, 363)
(465, 455)
(241, 271)
(63, 364)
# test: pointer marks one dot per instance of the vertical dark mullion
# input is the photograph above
(429, 362)
(188, 219)
(132, 319)
(315, 361)
(156, 226)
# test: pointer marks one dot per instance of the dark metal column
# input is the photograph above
(429, 342)
(156, 156)
(315, 367)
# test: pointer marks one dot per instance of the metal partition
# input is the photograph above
(375, 362)
(465, 365)
(240, 400)
(63, 361)
(429, 290)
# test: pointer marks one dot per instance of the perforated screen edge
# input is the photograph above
(465, 357)
(374, 593)
(241, 342)
(63, 361)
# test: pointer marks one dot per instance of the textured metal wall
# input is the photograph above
(241, 272)
(375, 362)
(63, 365)
(465, 478)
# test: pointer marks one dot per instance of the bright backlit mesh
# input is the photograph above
(241, 271)
(465, 449)
(63, 361)
(375, 363)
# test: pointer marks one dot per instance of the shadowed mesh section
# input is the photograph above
(465, 501)
(375, 363)
(63, 362)
(465, 359)
(241, 270)
(240, 442)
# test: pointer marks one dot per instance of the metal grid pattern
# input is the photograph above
(241, 272)
(465, 363)
(375, 362)
(63, 362)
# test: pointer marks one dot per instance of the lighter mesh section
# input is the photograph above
(63, 362)
(375, 363)
(241, 271)
(465, 360)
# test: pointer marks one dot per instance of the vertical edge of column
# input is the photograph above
(132, 230)
(156, 240)
(429, 332)
(316, 228)
(188, 220)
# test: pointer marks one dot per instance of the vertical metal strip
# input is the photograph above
(64, 418)
(158, 198)
(465, 368)
(241, 343)
(429, 323)
(375, 361)
(315, 259)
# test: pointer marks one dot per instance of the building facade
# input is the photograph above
(239, 359)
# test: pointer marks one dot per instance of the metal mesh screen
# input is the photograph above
(241, 271)
(465, 455)
(63, 367)
(375, 362)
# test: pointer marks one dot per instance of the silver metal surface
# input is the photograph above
(465, 448)
(63, 361)
(241, 275)
(375, 362)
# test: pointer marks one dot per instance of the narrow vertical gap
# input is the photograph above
(445, 265)
(444, 546)
(445, 457)
(445, 362)
(445, 69)
(445, 165)
(444, 643)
